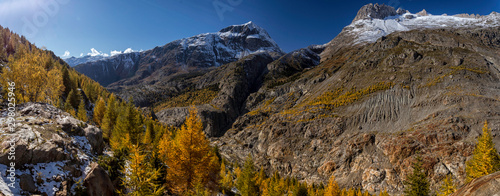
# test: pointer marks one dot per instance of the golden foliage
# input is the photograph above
(194, 97)
(333, 188)
(189, 157)
(336, 98)
(448, 187)
(485, 159)
(37, 77)
(140, 176)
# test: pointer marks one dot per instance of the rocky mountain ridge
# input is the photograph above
(201, 51)
(375, 21)
(74, 61)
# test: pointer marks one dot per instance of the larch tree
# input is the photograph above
(140, 176)
(448, 187)
(485, 159)
(333, 188)
(82, 112)
(246, 182)
(109, 118)
(189, 158)
(99, 111)
(36, 77)
(416, 182)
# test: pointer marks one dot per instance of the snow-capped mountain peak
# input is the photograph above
(232, 43)
(375, 21)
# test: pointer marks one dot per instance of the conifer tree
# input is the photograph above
(333, 188)
(245, 182)
(189, 158)
(416, 182)
(109, 119)
(300, 190)
(99, 111)
(149, 135)
(140, 176)
(226, 179)
(73, 98)
(485, 159)
(448, 187)
(82, 112)
(68, 85)
(383, 193)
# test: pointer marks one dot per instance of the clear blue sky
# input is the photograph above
(79, 25)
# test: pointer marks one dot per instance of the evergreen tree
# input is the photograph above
(109, 119)
(245, 182)
(383, 193)
(189, 157)
(99, 111)
(300, 190)
(68, 86)
(140, 176)
(73, 98)
(416, 182)
(448, 187)
(333, 188)
(485, 159)
(149, 135)
(226, 179)
(82, 112)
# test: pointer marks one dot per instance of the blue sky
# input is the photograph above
(77, 26)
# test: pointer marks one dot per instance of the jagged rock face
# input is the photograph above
(486, 185)
(201, 51)
(236, 81)
(111, 69)
(377, 11)
(443, 86)
(52, 149)
(373, 23)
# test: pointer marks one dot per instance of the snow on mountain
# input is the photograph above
(201, 51)
(95, 55)
(368, 30)
(233, 42)
(74, 61)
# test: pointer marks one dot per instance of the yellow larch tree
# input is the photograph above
(140, 176)
(190, 160)
(99, 111)
(485, 159)
(333, 188)
(448, 187)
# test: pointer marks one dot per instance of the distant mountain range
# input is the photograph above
(74, 61)
(200, 51)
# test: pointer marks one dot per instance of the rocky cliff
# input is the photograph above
(53, 151)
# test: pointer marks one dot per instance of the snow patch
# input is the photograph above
(369, 30)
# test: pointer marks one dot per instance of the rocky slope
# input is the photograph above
(486, 185)
(391, 86)
(53, 151)
(366, 111)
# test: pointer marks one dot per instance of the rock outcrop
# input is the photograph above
(98, 182)
(52, 149)
(486, 185)
(376, 11)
